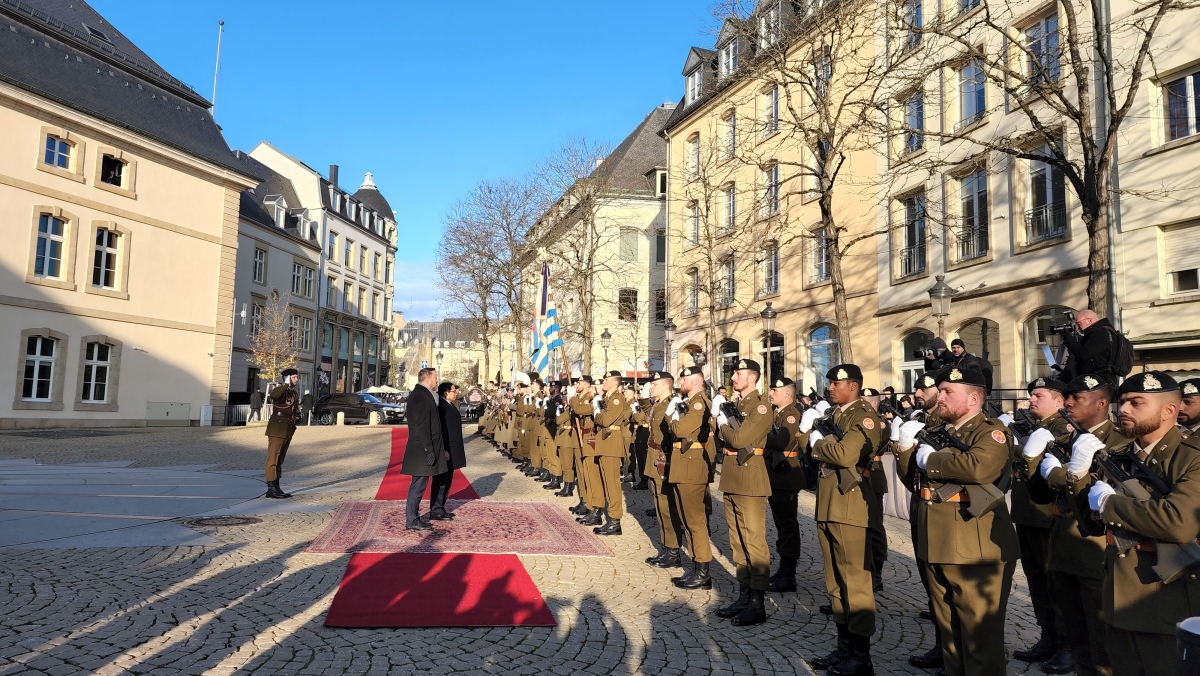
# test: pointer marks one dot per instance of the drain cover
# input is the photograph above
(212, 521)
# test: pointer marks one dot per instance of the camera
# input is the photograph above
(1069, 327)
(922, 354)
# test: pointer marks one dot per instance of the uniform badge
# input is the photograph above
(778, 383)
(762, 410)
(1090, 382)
(927, 381)
(868, 424)
(841, 374)
(955, 374)
(1149, 382)
(998, 436)
(791, 420)
(698, 406)
(1040, 382)
(1190, 389)
(742, 364)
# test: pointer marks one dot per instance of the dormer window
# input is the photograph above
(695, 80)
(768, 27)
(278, 208)
(660, 183)
(729, 58)
(96, 33)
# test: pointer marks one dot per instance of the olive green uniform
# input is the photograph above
(670, 525)
(746, 487)
(611, 450)
(586, 469)
(785, 446)
(690, 464)
(1076, 561)
(280, 428)
(843, 513)
(876, 532)
(567, 442)
(970, 560)
(1140, 611)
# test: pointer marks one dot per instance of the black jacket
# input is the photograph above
(424, 436)
(1093, 354)
(256, 400)
(452, 433)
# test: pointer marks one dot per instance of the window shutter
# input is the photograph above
(1182, 248)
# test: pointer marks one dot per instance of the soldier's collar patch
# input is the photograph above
(1190, 389)
(791, 420)
(1149, 382)
(1040, 382)
(998, 436)
(955, 374)
(762, 409)
(868, 424)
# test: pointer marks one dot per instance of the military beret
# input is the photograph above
(290, 372)
(586, 379)
(1190, 387)
(565, 382)
(1089, 383)
(928, 379)
(661, 375)
(1046, 384)
(870, 392)
(612, 374)
(690, 371)
(845, 372)
(1151, 382)
(782, 382)
(747, 365)
(962, 377)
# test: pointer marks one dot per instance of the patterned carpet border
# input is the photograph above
(479, 527)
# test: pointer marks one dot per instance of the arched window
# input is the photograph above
(729, 351)
(1037, 335)
(773, 367)
(912, 361)
(823, 354)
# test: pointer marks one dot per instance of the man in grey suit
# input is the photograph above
(425, 454)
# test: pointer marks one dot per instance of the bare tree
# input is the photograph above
(274, 338)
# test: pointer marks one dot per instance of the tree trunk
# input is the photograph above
(1098, 263)
(840, 314)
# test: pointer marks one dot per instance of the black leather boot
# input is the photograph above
(877, 579)
(554, 484)
(859, 662)
(543, 476)
(567, 491)
(1042, 650)
(579, 509)
(840, 654)
(785, 578)
(274, 491)
(735, 608)
(930, 660)
(825, 608)
(592, 518)
(643, 485)
(698, 578)
(532, 471)
(669, 558)
(1061, 662)
(755, 612)
(613, 527)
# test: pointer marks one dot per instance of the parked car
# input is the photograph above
(357, 407)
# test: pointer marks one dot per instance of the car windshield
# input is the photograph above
(370, 399)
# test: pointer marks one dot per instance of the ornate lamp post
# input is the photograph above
(438, 357)
(605, 341)
(940, 296)
(768, 318)
(403, 368)
(668, 335)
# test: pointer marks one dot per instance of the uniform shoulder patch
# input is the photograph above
(868, 423)
(698, 406)
(791, 420)
(998, 436)
(762, 410)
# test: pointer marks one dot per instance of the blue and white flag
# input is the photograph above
(546, 331)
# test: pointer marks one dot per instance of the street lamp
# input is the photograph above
(768, 318)
(605, 341)
(438, 357)
(668, 335)
(940, 295)
(403, 368)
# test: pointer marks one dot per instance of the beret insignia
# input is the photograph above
(842, 375)
(927, 381)
(1190, 389)
(1090, 381)
(998, 436)
(742, 364)
(698, 406)
(1040, 382)
(762, 409)
(778, 383)
(868, 423)
(1149, 382)
(791, 420)
(955, 374)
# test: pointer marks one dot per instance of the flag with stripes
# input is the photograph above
(547, 334)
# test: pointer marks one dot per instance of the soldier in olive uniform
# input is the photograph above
(746, 487)
(1189, 408)
(611, 450)
(587, 473)
(1076, 561)
(843, 515)
(566, 440)
(689, 466)
(876, 532)
(280, 429)
(1033, 522)
(1142, 603)
(784, 447)
(670, 527)
(964, 534)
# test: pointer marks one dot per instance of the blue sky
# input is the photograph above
(430, 97)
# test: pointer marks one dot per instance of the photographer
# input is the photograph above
(936, 355)
(1091, 346)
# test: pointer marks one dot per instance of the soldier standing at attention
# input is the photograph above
(746, 486)
(689, 470)
(670, 527)
(782, 456)
(565, 439)
(1189, 408)
(280, 429)
(586, 470)
(1033, 522)
(611, 449)
(964, 534)
(1143, 603)
(876, 531)
(843, 515)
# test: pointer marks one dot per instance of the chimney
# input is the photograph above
(333, 175)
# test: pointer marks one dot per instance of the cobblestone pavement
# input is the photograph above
(256, 602)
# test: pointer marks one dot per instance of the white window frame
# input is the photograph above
(770, 270)
(768, 27)
(914, 122)
(973, 193)
(729, 126)
(331, 290)
(1191, 112)
(37, 360)
(694, 217)
(92, 366)
(347, 297)
(695, 84)
(310, 276)
(1043, 39)
(362, 300)
(730, 211)
(259, 271)
(972, 76)
(694, 156)
(820, 258)
(256, 318)
(693, 292)
(770, 198)
(728, 281)
(729, 58)
(43, 254)
(297, 278)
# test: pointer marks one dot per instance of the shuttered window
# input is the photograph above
(1182, 252)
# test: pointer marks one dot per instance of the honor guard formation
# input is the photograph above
(1094, 488)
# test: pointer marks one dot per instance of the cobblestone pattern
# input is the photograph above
(256, 603)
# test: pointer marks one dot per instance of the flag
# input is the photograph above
(546, 331)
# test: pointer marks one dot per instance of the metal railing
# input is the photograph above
(912, 260)
(969, 120)
(1045, 222)
(972, 242)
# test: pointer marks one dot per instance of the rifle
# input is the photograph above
(983, 497)
(1062, 449)
(736, 418)
(848, 477)
(1022, 425)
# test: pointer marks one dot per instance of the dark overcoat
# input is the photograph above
(452, 433)
(424, 435)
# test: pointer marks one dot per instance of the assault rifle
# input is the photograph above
(736, 419)
(983, 497)
(1022, 425)
(1062, 449)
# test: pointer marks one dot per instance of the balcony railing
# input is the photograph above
(912, 260)
(969, 120)
(972, 242)
(1045, 222)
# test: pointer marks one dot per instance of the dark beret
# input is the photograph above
(845, 372)
(1190, 387)
(1046, 384)
(747, 365)
(928, 379)
(1088, 383)
(1151, 382)
(661, 375)
(782, 382)
(612, 374)
(962, 377)
(870, 392)
(586, 379)
(290, 372)
(690, 371)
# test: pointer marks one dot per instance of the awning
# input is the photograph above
(1159, 341)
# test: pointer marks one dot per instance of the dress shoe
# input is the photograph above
(1040, 651)
(1060, 662)
(669, 558)
(734, 609)
(567, 491)
(755, 611)
(554, 484)
(579, 509)
(441, 516)
(592, 518)
(859, 661)
(825, 609)
(784, 579)
(419, 525)
(929, 660)
(840, 653)
(652, 512)
(275, 492)
(698, 578)
(544, 476)
(531, 471)
(613, 527)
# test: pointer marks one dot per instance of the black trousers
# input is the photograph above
(439, 490)
(416, 491)
(787, 526)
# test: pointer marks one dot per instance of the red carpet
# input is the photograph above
(437, 590)
(395, 485)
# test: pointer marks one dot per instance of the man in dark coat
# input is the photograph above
(280, 429)
(1092, 350)
(256, 402)
(425, 455)
(306, 404)
(453, 436)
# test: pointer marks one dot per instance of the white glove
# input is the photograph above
(896, 423)
(923, 453)
(822, 406)
(558, 411)
(1005, 418)
(1037, 442)
(814, 437)
(806, 420)
(596, 400)
(674, 410)
(528, 399)
(722, 420)
(675, 402)
(634, 407)
(1085, 448)
(1049, 463)
(646, 391)
(907, 435)
(1099, 494)
(570, 391)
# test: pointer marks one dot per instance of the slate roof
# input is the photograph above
(369, 195)
(626, 167)
(253, 207)
(46, 49)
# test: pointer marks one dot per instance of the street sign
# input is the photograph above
(424, 363)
